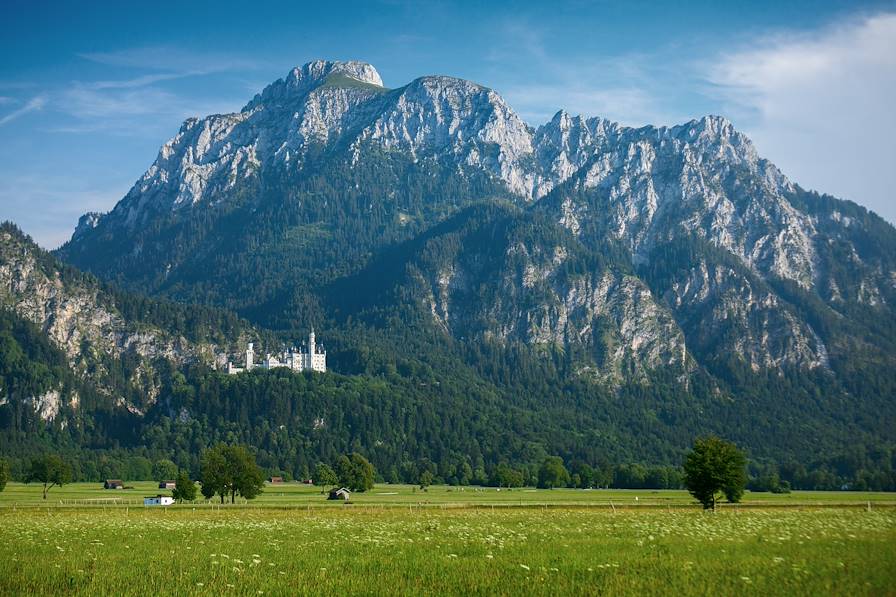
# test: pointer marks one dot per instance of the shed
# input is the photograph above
(167, 484)
(275, 480)
(158, 500)
(113, 484)
(340, 494)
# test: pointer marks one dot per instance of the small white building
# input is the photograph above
(158, 500)
(310, 357)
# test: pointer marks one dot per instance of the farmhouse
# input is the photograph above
(158, 500)
(340, 494)
(113, 484)
(167, 484)
(310, 357)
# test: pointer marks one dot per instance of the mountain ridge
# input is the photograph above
(656, 263)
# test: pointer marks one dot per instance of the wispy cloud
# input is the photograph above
(127, 110)
(168, 58)
(35, 103)
(627, 88)
(821, 105)
(141, 81)
(48, 206)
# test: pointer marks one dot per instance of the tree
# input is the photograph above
(425, 479)
(230, 470)
(355, 472)
(4, 473)
(713, 466)
(184, 488)
(552, 473)
(325, 476)
(164, 470)
(248, 479)
(505, 476)
(50, 470)
(216, 478)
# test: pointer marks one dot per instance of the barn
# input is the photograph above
(340, 494)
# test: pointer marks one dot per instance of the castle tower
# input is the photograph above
(250, 357)
(311, 349)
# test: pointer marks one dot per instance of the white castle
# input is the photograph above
(306, 358)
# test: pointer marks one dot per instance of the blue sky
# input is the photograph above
(89, 91)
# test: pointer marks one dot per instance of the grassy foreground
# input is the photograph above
(406, 550)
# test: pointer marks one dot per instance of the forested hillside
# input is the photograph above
(489, 292)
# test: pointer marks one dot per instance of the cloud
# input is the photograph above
(630, 88)
(632, 106)
(820, 105)
(167, 58)
(35, 103)
(133, 110)
(47, 206)
(141, 81)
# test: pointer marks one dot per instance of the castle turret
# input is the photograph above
(250, 357)
(311, 349)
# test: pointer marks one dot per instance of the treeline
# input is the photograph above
(92, 466)
(455, 430)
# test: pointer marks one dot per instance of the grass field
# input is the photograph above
(302, 496)
(397, 541)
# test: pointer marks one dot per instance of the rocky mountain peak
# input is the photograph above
(303, 79)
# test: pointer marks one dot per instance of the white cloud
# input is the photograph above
(35, 103)
(821, 106)
(168, 58)
(631, 106)
(47, 207)
(628, 88)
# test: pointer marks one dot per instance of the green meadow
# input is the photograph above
(399, 540)
(296, 495)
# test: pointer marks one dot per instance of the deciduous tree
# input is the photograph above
(552, 473)
(715, 466)
(164, 470)
(184, 488)
(325, 476)
(230, 470)
(4, 473)
(355, 472)
(50, 470)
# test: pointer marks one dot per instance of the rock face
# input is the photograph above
(703, 247)
(84, 322)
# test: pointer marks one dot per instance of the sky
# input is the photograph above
(89, 91)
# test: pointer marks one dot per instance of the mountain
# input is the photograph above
(67, 334)
(432, 220)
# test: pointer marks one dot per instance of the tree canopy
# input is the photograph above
(50, 470)
(230, 470)
(184, 488)
(4, 473)
(164, 470)
(715, 466)
(552, 473)
(325, 476)
(355, 472)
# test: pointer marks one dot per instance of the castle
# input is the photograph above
(307, 358)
